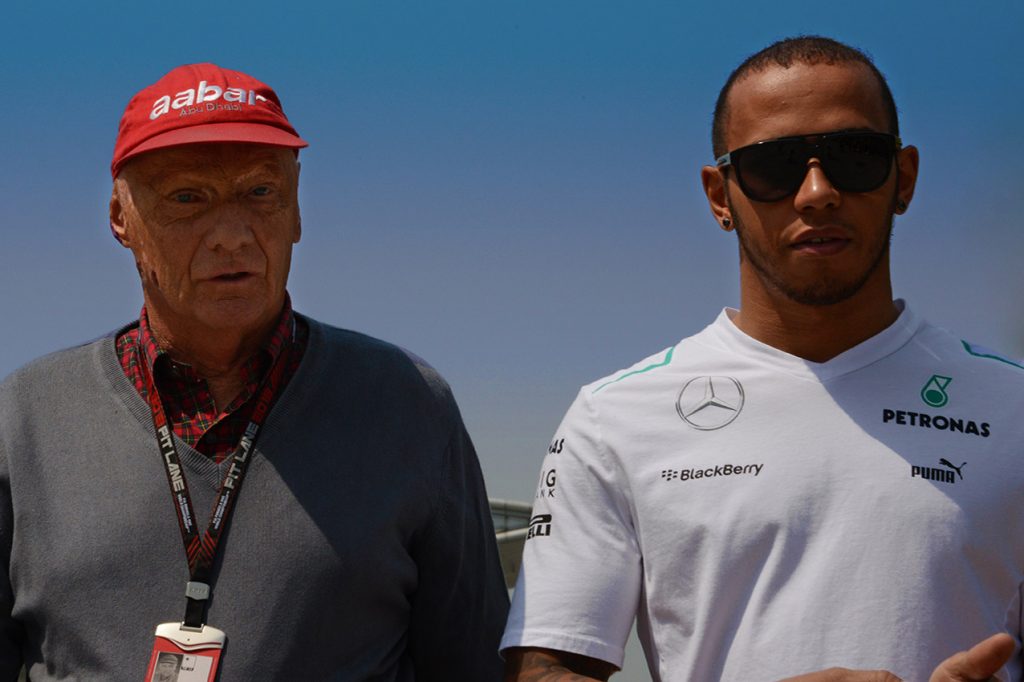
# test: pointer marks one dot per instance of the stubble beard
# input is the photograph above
(828, 290)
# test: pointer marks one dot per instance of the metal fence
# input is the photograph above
(511, 523)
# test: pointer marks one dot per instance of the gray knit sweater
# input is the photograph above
(361, 546)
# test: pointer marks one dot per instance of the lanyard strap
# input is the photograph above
(201, 548)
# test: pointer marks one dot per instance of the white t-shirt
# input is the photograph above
(764, 516)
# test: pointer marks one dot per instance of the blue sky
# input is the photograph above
(510, 189)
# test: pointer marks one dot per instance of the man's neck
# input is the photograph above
(816, 332)
(216, 355)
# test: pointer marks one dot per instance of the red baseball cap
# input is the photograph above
(198, 103)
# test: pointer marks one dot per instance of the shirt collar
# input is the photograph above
(158, 360)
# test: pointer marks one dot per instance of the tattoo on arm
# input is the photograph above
(548, 665)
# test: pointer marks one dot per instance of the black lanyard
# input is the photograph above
(201, 548)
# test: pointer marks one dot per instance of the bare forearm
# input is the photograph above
(548, 674)
(545, 665)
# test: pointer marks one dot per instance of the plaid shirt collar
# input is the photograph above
(195, 418)
(170, 374)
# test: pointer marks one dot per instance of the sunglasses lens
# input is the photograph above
(772, 170)
(857, 163)
(853, 162)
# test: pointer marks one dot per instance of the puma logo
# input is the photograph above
(946, 463)
(937, 474)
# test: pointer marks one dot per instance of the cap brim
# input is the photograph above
(253, 133)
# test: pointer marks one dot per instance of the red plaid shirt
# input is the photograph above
(186, 396)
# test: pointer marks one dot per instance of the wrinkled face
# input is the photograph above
(820, 245)
(212, 228)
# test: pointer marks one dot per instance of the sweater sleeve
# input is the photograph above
(11, 632)
(461, 603)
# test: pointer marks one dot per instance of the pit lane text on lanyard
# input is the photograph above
(200, 550)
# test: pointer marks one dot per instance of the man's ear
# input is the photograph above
(298, 212)
(907, 160)
(713, 180)
(118, 224)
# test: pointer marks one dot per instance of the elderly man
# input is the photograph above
(167, 667)
(819, 483)
(360, 545)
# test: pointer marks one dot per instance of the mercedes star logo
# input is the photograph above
(709, 403)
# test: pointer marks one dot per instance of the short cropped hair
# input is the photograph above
(809, 50)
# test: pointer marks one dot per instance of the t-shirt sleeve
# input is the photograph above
(580, 579)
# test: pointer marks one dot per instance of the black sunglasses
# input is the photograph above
(853, 162)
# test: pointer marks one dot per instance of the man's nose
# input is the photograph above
(231, 227)
(816, 191)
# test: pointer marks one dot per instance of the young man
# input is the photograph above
(819, 483)
(360, 545)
